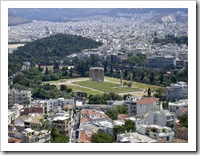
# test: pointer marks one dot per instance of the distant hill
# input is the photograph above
(12, 20)
(50, 49)
(60, 14)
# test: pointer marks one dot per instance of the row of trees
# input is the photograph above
(102, 99)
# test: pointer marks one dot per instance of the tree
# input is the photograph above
(151, 79)
(71, 72)
(184, 120)
(161, 78)
(54, 133)
(125, 73)
(63, 88)
(46, 70)
(102, 137)
(56, 66)
(142, 76)
(60, 139)
(130, 126)
(112, 113)
(40, 68)
(149, 92)
(111, 69)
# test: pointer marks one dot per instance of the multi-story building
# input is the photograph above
(141, 106)
(179, 107)
(177, 91)
(134, 137)
(22, 97)
(14, 112)
(181, 133)
(162, 118)
(157, 132)
(32, 108)
(62, 122)
(32, 136)
(168, 62)
(55, 105)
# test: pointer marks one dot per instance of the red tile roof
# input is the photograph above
(147, 100)
(122, 116)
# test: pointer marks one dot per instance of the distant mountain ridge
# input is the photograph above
(60, 14)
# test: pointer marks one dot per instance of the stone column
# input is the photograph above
(131, 80)
(121, 78)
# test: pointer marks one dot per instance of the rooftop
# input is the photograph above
(147, 100)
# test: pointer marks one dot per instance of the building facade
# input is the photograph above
(22, 97)
(141, 106)
(162, 118)
(177, 91)
(96, 74)
(168, 62)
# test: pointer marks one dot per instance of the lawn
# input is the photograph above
(109, 85)
(105, 86)
(81, 89)
(138, 85)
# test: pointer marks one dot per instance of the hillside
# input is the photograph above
(61, 14)
(51, 49)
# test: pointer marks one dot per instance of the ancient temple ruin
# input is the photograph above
(96, 74)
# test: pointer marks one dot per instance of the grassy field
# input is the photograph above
(109, 85)
(86, 90)
(135, 84)
(105, 86)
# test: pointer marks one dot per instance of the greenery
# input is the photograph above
(106, 86)
(46, 50)
(102, 137)
(58, 138)
(102, 99)
(112, 113)
(128, 126)
(61, 139)
(184, 120)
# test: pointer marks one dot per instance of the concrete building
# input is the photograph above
(157, 132)
(22, 97)
(32, 108)
(168, 62)
(134, 137)
(181, 133)
(56, 105)
(177, 91)
(162, 118)
(14, 112)
(96, 74)
(33, 136)
(62, 122)
(140, 106)
(179, 107)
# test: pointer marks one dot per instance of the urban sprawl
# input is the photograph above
(136, 115)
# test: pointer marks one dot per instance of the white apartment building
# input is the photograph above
(14, 112)
(22, 97)
(156, 132)
(177, 91)
(32, 136)
(56, 105)
(179, 107)
(162, 118)
(141, 106)
(134, 137)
